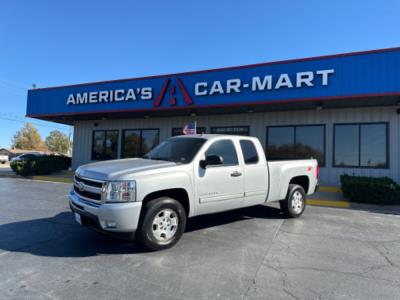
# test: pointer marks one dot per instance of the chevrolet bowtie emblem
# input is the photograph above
(80, 186)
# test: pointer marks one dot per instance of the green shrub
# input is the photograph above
(375, 190)
(67, 162)
(40, 165)
(23, 167)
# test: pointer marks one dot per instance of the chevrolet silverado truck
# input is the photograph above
(150, 198)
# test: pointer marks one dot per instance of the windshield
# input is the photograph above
(178, 150)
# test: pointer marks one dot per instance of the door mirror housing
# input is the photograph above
(211, 160)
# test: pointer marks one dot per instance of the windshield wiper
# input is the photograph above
(160, 158)
(155, 158)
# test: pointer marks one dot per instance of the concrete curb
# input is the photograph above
(9, 176)
(51, 179)
(39, 177)
(383, 209)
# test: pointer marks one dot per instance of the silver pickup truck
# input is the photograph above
(150, 198)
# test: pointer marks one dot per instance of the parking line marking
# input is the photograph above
(331, 189)
(330, 203)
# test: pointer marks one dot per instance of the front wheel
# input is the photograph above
(162, 224)
(295, 203)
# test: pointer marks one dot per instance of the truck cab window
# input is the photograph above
(225, 149)
(180, 151)
(249, 152)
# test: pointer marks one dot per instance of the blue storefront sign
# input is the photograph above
(351, 75)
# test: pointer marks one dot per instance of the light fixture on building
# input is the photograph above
(318, 107)
(250, 110)
(398, 107)
(193, 114)
(146, 116)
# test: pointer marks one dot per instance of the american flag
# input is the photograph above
(189, 128)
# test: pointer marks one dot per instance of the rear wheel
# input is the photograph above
(162, 225)
(295, 203)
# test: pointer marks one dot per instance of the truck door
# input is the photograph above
(255, 174)
(220, 187)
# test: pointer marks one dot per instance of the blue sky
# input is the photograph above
(51, 43)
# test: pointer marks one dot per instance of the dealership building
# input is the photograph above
(343, 110)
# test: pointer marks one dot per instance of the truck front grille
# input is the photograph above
(87, 195)
(88, 189)
(90, 182)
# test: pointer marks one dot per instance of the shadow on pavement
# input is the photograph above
(259, 212)
(60, 236)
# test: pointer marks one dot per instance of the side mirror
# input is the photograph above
(211, 160)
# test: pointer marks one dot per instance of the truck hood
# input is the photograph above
(121, 169)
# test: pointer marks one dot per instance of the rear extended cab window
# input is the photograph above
(250, 155)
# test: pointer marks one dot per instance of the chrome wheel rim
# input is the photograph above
(297, 202)
(165, 225)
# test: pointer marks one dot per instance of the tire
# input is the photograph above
(156, 229)
(295, 203)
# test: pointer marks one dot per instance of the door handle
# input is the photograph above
(236, 174)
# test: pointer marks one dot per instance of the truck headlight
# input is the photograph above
(119, 191)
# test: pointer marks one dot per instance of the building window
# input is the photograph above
(250, 155)
(361, 145)
(296, 142)
(104, 144)
(137, 142)
(235, 130)
(226, 150)
(179, 131)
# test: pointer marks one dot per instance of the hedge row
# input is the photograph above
(374, 190)
(41, 165)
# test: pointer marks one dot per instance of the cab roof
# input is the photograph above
(209, 136)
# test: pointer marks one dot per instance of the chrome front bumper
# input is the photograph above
(112, 217)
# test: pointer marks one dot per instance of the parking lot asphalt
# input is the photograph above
(250, 253)
(5, 170)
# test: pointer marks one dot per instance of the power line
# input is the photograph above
(13, 88)
(22, 118)
(13, 93)
(13, 115)
(37, 124)
(14, 83)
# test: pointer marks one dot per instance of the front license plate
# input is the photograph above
(78, 218)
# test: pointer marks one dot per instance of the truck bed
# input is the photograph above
(281, 171)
